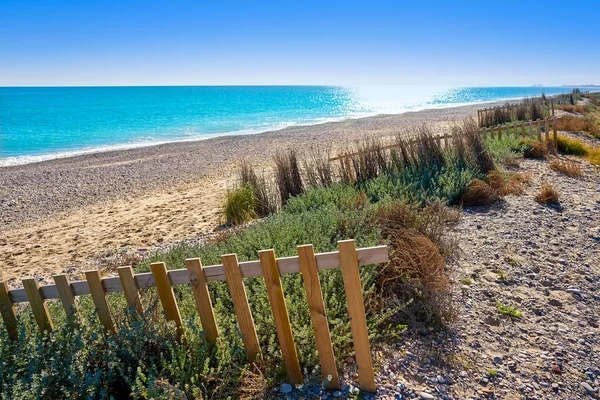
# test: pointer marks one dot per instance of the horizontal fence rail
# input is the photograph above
(347, 258)
(530, 129)
(250, 269)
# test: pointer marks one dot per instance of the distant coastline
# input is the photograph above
(37, 127)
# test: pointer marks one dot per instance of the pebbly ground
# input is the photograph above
(543, 261)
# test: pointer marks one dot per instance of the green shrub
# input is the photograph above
(573, 147)
(240, 205)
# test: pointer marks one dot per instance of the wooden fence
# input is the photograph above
(348, 258)
(531, 129)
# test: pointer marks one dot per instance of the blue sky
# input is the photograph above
(463, 43)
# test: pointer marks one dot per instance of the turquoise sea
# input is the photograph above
(38, 123)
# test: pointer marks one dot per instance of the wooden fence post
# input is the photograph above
(356, 310)
(523, 134)
(554, 133)
(7, 309)
(241, 306)
(38, 304)
(499, 131)
(98, 293)
(130, 288)
(202, 298)
(539, 130)
(546, 129)
(167, 296)
(314, 295)
(508, 130)
(530, 128)
(68, 299)
(268, 263)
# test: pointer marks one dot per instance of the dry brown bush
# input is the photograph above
(478, 193)
(534, 149)
(287, 174)
(416, 277)
(572, 123)
(569, 168)
(547, 195)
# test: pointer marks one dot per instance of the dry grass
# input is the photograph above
(535, 149)
(571, 108)
(547, 195)
(417, 277)
(317, 168)
(266, 196)
(478, 193)
(287, 174)
(572, 123)
(569, 168)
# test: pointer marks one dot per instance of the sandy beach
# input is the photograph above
(63, 215)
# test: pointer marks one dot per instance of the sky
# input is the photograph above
(176, 42)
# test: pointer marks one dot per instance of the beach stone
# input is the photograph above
(286, 388)
(498, 360)
(588, 388)
(426, 396)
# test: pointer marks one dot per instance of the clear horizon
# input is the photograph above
(134, 43)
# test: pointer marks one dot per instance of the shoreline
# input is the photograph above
(98, 210)
(36, 190)
(15, 161)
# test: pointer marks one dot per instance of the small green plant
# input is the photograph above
(492, 372)
(467, 282)
(573, 147)
(509, 311)
(502, 276)
(240, 205)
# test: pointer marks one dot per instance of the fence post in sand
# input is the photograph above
(554, 133)
(547, 129)
(241, 306)
(167, 296)
(270, 270)
(202, 298)
(38, 304)
(130, 288)
(68, 299)
(314, 295)
(7, 309)
(98, 293)
(508, 130)
(356, 310)
(499, 131)
(539, 129)
(530, 128)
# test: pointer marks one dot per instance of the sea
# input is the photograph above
(41, 123)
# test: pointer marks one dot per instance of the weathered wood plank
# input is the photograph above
(167, 296)
(38, 304)
(281, 317)
(130, 288)
(314, 295)
(366, 256)
(7, 309)
(241, 306)
(67, 298)
(356, 310)
(98, 293)
(202, 298)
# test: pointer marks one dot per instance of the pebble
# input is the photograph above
(588, 388)
(426, 396)
(286, 388)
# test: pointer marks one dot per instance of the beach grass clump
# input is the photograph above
(478, 193)
(572, 147)
(267, 201)
(507, 310)
(316, 168)
(288, 178)
(240, 205)
(547, 195)
(569, 168)
(573, 123)
(534, 149)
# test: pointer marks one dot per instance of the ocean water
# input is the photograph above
(38, 123)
